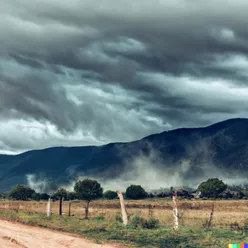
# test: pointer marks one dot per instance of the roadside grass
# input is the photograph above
(101, 230)
(192, 213)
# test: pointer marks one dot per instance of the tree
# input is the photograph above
(2, 195)
(35, 196)
(213, 187)
(240, 194)
(21, 192)
(71, 196)
(61, 193)
(44, 196)
(88, 190)
(110, 195)
(135, 192)
(227, 194)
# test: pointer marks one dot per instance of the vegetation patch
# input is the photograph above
(99, 229)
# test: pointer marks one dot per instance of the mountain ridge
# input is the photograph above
(189, 153)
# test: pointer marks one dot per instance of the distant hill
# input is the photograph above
(186, 154)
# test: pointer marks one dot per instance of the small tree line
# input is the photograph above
(90, 190)
(212, 188)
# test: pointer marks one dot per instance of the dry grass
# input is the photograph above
(228, 217)
(192, 213)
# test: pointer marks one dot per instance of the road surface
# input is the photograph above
(15, 235)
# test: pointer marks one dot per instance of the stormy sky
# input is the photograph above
(85, 72)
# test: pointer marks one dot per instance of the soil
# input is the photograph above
(15, 235)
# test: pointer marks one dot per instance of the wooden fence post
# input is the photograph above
(49, 207)
(123, 209)
(69, 210)
(175, 211)
(60, 205)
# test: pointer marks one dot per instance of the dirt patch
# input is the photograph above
(15, 235)
(14, 241)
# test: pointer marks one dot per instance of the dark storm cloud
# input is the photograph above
(85, 73)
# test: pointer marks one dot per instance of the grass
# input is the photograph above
(230, 224)
(192, 213)
(111, 230)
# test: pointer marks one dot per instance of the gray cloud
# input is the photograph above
(80, 73)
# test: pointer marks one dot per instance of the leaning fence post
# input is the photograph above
(211, 217)
(123, 209)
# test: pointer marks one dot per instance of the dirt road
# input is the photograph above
(14, 235)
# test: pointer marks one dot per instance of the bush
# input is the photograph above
(135, 192)
(35, 196)
(71, 196)
(99, 218)
(118, 218)
(162, 195)
(227, 195)
(150, 195)
(151, 223)
(245, 227)
(213, 187)
(44, 196)
(2, 195)
(110, 195)
(139, 222)
(21, 192)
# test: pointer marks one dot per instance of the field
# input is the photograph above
(229, 223)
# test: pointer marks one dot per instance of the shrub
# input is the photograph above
(139, 222)
(110, 195)
(151, 223)
(118, 218)
(245, 227)
(44, 196)
(71, 196)
(99, 218)
(135, 192)
(235, 226)
(21, 192)
(213, 187)
(35, 196)
(162, 194)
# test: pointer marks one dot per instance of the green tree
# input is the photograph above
(61, 193)
(44, 196)
(21, 192)
(35, 196)
(110, 195)
(2, 196)
(135, 192)
(88, 190)
(213, 187)
(71, 196)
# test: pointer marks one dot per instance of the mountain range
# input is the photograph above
(181, 156)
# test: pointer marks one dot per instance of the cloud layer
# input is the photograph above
(87, 73)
